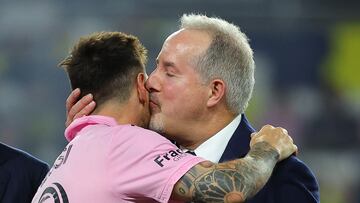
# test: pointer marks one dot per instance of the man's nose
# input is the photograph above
(152, 84)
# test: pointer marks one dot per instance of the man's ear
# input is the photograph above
(141, 90)
(217, 90)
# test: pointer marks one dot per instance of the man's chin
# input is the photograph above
(154, 108)
(156, 128)
(156, 124)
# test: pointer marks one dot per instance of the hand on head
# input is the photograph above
(77, 108)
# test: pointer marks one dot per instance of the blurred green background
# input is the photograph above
(307, 77)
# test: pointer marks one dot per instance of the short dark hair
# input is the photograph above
(105, 64)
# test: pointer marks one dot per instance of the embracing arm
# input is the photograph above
(233, 181)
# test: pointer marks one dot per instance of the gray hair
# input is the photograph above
(229, 57)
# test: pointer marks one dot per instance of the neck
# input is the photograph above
(202, 131)
(124, 113)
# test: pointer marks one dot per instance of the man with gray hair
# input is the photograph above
(199, 92)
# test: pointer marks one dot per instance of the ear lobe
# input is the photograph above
(141, 90)
(216, 93)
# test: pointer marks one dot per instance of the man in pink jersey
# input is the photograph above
(112, 158)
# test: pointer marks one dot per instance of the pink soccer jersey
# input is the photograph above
(106, 162)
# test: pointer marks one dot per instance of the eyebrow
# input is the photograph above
(166, 63)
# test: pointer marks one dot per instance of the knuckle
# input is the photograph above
(280, 130)
(277, 132)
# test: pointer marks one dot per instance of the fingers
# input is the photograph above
(278, 138)
(86, 110)
(284, 130)
(253, 134)
(81, 108)
(252, 140)
(71, 100)
(267, 127)
(296, 150)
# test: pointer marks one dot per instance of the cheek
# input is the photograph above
(182, 95)
(186, 102)
(175, 92)
(174, 101)
(196, 101)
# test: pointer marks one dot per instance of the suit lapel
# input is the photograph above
(238, 145)
(5, 155)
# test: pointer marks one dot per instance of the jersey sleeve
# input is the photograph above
(145, 164)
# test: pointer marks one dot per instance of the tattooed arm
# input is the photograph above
(237, 180)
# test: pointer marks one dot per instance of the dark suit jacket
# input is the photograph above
(20, 175)
(291, 181)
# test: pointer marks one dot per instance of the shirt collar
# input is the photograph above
(82, 122)
(214, 147)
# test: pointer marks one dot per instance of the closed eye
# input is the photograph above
(169, 74)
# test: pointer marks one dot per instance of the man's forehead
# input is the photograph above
(193, 36)
(187, 42)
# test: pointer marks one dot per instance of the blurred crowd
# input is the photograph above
(307, 71)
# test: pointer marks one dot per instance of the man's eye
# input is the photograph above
(169, 74)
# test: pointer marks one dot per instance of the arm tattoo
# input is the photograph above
(230, 181)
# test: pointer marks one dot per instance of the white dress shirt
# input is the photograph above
(214, 147)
